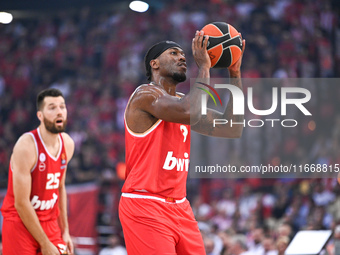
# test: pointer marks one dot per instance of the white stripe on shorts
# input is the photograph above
(130, 195)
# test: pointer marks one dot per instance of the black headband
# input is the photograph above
(157, 50)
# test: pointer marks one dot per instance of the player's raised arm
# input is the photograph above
(154, 100)
(205, 124)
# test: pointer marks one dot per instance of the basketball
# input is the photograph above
(224, 45)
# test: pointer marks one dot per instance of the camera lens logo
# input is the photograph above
(208, 92)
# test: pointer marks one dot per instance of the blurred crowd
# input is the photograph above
(95, 57)
(255, 218)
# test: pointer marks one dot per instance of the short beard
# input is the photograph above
(51, 127)
(179, 77)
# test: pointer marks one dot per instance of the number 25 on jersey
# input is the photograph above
(53, 180)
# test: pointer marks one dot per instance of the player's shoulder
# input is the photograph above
(25, 139)
(67, 139)
(149, 88)
(69, 145)
(147, 91)
(25, 153)
(25, 144)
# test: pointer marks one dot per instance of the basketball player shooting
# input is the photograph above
(35, 208)
(155, 215)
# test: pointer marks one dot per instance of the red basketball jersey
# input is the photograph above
(157, 161)
(46, 176)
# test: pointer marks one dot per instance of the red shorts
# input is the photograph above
(154, 227)
(16, 240)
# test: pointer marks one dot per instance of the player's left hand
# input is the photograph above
(68, 240)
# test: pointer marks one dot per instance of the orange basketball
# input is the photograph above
(225, 44)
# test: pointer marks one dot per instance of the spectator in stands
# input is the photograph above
(209, 245)
(282, 244)
(269, 246)
(257, 237)
(114, 247)
(238, 246)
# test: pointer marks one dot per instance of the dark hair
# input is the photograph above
(47, 93)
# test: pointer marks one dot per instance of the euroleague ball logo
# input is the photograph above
(211, 55)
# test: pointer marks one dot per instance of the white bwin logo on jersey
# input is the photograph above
(181, 163)
(44, 204)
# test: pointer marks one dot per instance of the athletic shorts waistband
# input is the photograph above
(165, 200)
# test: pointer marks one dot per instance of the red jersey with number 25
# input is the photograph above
(46, 176)
(157, 161)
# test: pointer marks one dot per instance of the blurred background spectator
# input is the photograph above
(114, 247)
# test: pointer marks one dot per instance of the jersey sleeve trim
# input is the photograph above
(148, 131)
(36, 148)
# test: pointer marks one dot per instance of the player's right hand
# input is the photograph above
(68, 240)
(199, 50)
(49, 249)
